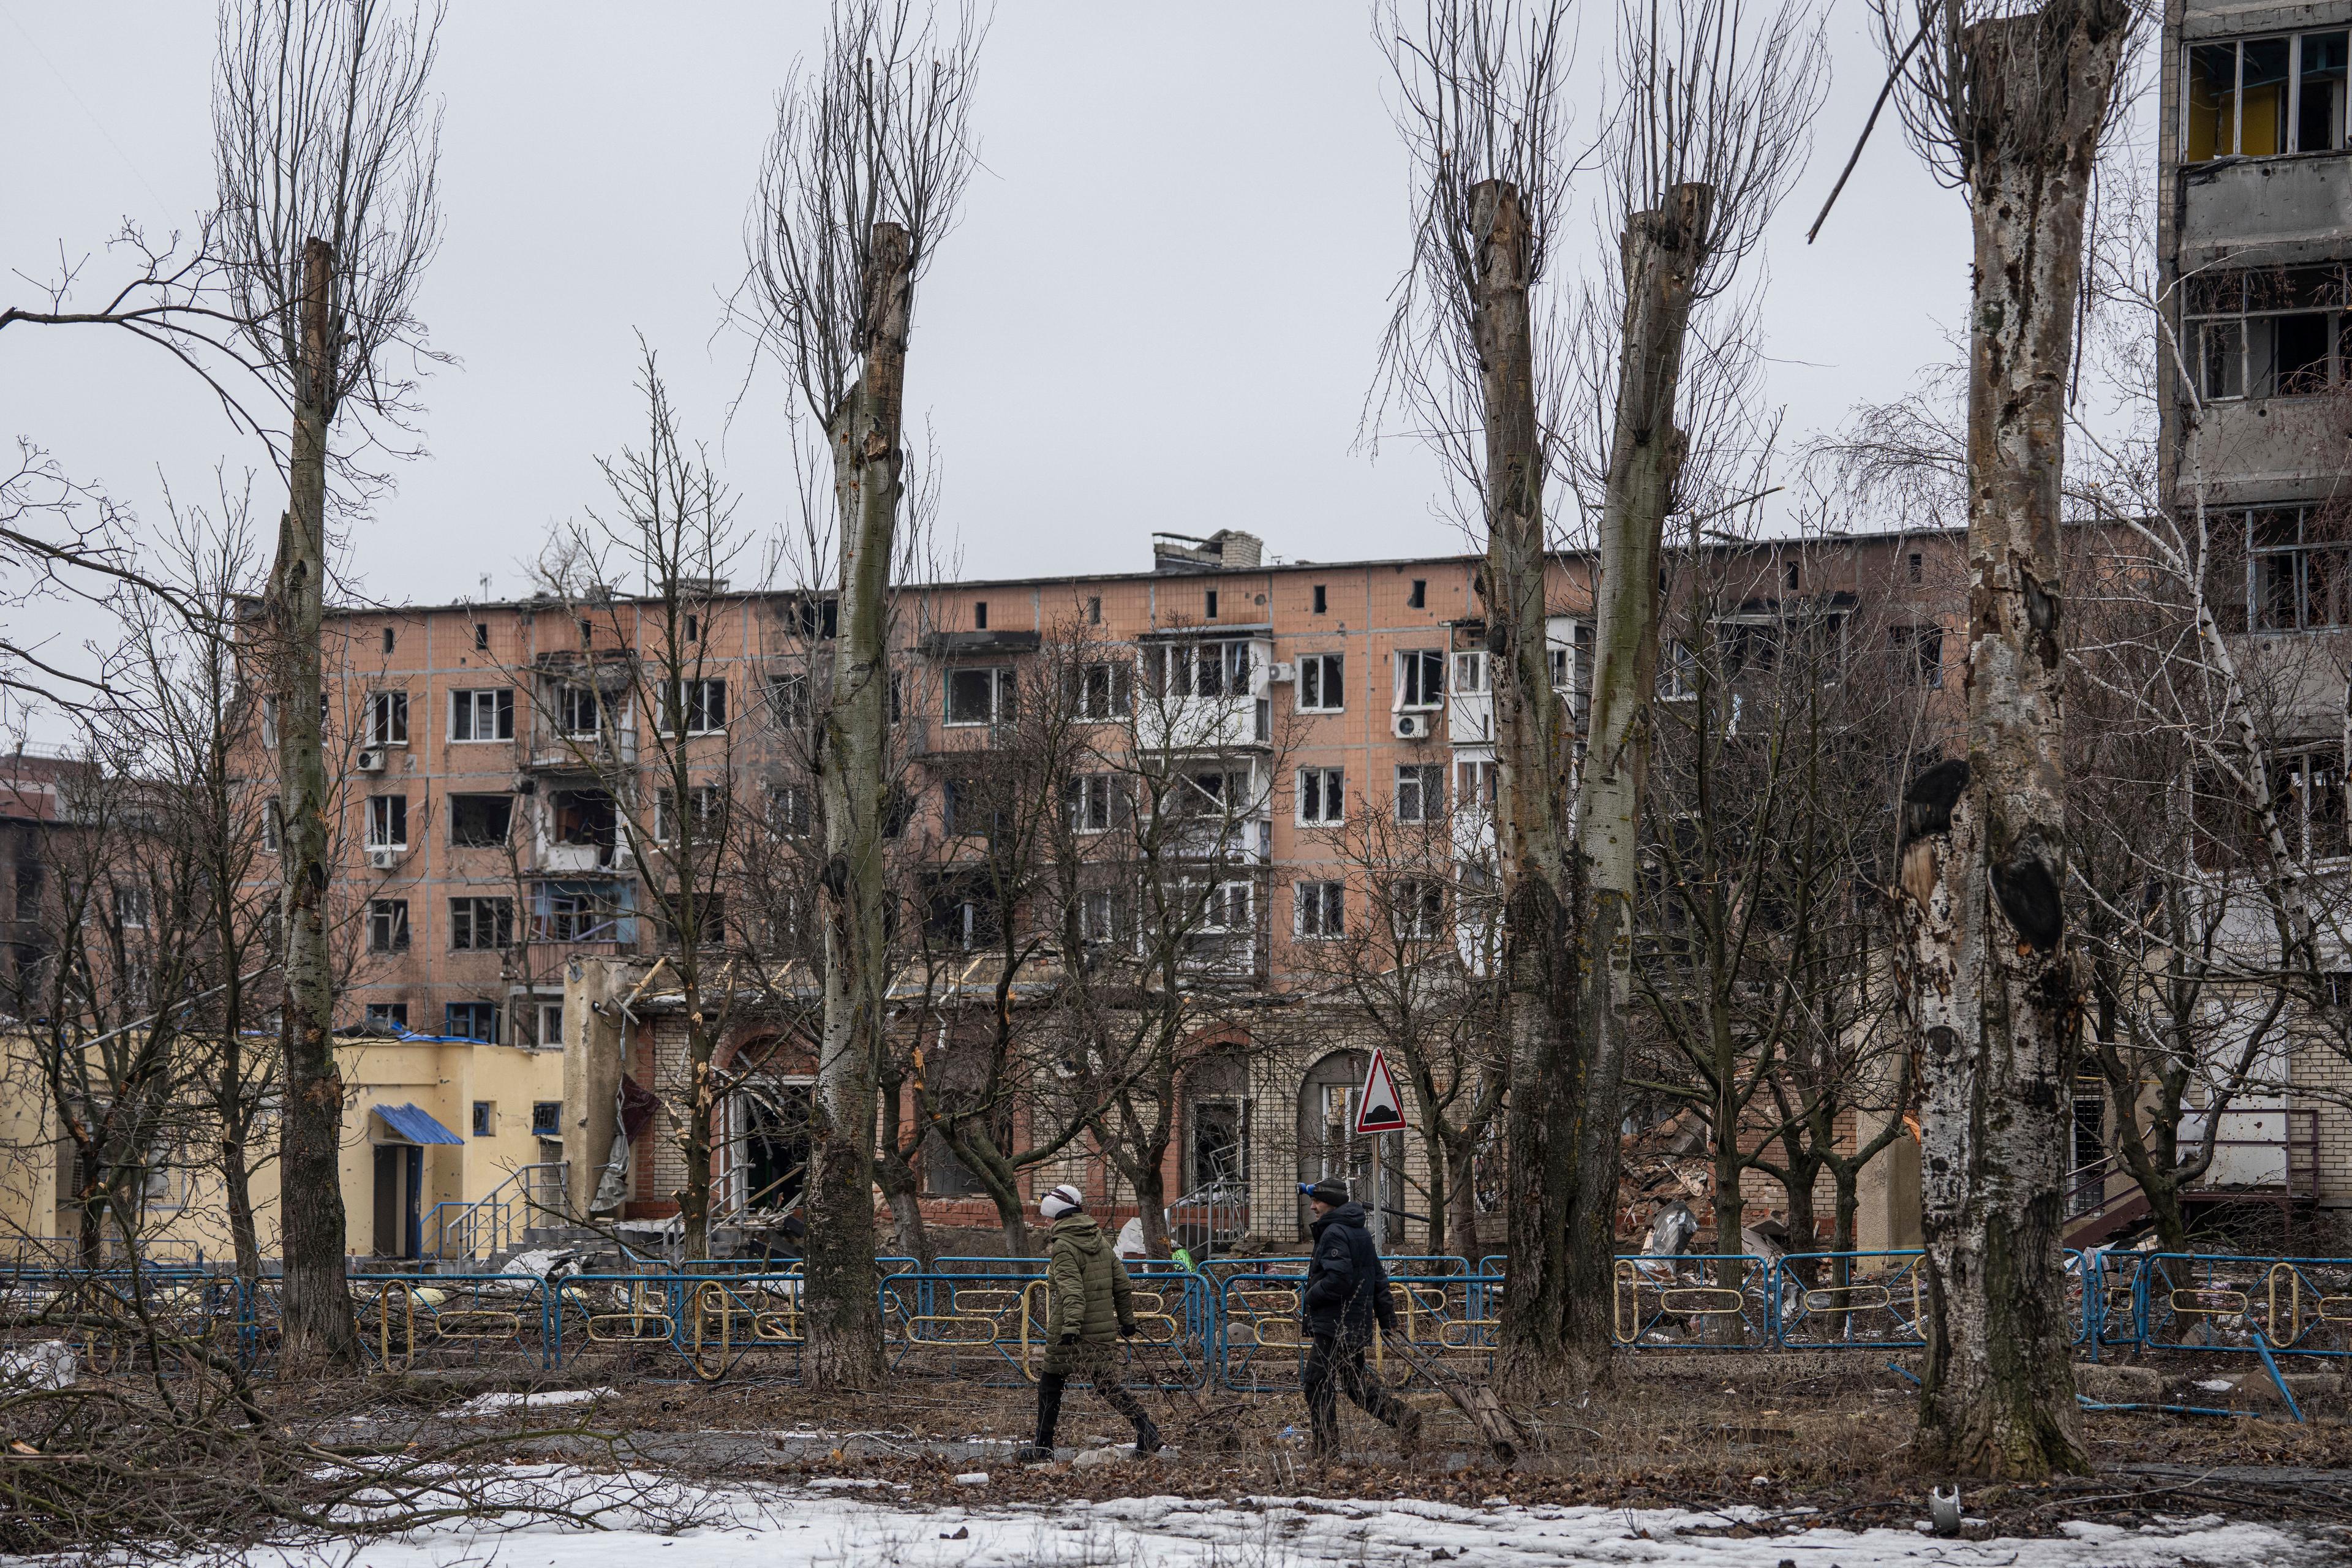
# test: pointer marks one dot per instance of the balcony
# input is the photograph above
(552, 751)
(2288, 209)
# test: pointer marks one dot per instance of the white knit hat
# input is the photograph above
(1064, 1199)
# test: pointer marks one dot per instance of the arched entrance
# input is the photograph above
(1330, 1145)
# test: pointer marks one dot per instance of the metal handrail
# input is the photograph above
(476, 1228)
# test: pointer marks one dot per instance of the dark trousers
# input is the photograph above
(1334, 1362)
(1095, 1363)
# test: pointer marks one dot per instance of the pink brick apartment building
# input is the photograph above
(485, 745)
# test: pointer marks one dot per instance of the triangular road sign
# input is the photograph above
(1380, 1108)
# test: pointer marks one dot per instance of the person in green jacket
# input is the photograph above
(1090, 1302)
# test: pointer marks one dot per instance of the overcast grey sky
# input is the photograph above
(1161, 309)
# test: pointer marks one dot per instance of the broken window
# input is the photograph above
(2308, 790)
(484, 714)
(1420, 677)
(1417, 908)
(788, 701)
(989, 695)
(586, 816)
(1677, 670)
(1102, 914)
(387, 925)
(581, 713)
(974, 809)
(2297, 578)
(387, 719)
(813, 617)
(703, 810)
(1322, 795)
(788, 810)
(583, 911)
(479, 821)
(481, 925)
(694, 708)
(1919, 654)
(1107, 691)
(2256, 98)
(1096, 802)
(1470, 670)
(1198, 669)
(1474, 782)
(1322, 910)
(1420, 792)
(1322, 683)
(959, 910)
(2273, 333)
(472, 1021)
(387, 822)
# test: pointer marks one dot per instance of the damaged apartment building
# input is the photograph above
(1303, 751)
(2254, 346)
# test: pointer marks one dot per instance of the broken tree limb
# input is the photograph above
(1868, 125)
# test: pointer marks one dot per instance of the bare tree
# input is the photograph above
(2013, 106)
(189, 713)
(1781, 720)
(859, 185)
(1721, 101)
(326, 142)
(1484, 112)
(1412, 967)
(643, 711)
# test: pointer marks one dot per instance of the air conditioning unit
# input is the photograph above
(1282, 671)
(382, 859)
(623, 858)
(1415, 726)
(371, 761)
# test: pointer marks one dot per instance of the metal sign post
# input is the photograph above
(1380, 1110)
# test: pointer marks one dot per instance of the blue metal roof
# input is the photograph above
(416, 1126)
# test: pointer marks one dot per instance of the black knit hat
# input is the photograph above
(1327, 1191)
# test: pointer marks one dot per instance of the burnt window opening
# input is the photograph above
(979, 614)
(387, 639)
(1212, 604)
(481, 634)
(1322, 599)
(481, 821)
(586, 816)
(1419, 598)
(1919, 655)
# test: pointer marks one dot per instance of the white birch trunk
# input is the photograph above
(1988, 985)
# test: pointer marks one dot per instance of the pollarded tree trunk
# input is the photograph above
(845, 1347)
(318, 1305)
(1661, 251)
(1990, 985)
(1533, 853)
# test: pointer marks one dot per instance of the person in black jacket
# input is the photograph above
(1346, 1302)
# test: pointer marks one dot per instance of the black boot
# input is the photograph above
(1049, 1413)
(1147, 1436)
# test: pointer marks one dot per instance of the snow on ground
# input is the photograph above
(845, 1528)
(499, 1404)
